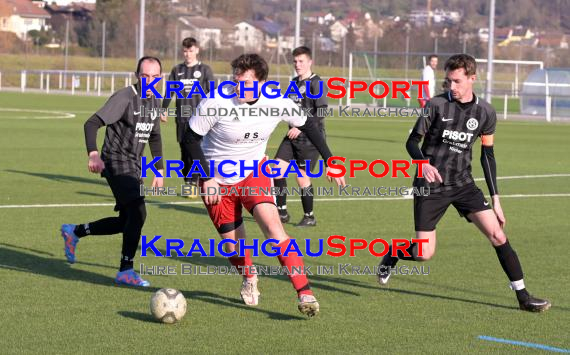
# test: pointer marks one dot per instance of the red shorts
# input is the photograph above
(250, 192)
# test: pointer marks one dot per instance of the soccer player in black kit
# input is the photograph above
(190, 71)
(296, 146)
(131, 123)
(454, 122)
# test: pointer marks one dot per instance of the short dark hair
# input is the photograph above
(150, 59)
(458, 61)
(251, 61)
(302, 50)
(432, 56)
(189, 42)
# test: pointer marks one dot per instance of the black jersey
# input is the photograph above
(188, 75)
(449, 131)
(128, 130)
(310, 105)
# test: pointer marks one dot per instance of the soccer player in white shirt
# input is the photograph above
(244, 137)
(428, 74)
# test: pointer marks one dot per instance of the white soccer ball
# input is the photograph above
(168, 305)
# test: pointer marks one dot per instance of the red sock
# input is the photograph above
(243, 263)
(299, 281)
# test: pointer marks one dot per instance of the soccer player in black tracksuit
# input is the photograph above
(296, 146)
(455, 120)
(188, 72)
(130, 126)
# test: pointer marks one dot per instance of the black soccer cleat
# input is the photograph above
(284, 216)
(307, 221)
(385, 267)
(533, 304)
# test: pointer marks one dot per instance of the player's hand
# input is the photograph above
(95, 164)
(293, 133)
(338, 180)
(158, 181)
(431, 173)
(499, 211)
(211, 199)
(164, 117)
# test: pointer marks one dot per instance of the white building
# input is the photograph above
(206, 30)
(22, 16)
(248, 36)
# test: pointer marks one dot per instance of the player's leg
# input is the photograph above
(227, 219)
(428, 210)
(267, 218)
(283, 156)
(307, 197)
(72, 233)
(193, 180)
(488, 224)
(131, 205)
(472, 204)
(242, 261)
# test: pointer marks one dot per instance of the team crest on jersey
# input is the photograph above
(302, 90)
(472, 124)
(197, 74)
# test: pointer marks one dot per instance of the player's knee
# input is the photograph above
(229, 247)
(426, 254)
(137, 211)
(497, 237)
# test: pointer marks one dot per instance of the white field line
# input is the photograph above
(54, 115)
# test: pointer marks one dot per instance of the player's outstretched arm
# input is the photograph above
(311, 130)
(95, 164)
(490, 170)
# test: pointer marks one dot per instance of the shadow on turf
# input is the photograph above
(58, 268)
(60, 178)
(215, 299)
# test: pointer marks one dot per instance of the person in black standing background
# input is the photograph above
(188, 72)
(295, 145)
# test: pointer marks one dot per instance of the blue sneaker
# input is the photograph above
(131, 278)
(70, 240)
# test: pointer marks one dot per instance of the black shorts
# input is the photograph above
(289, 151)
(428, 210)
(126, 189)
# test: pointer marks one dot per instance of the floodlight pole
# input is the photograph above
(141, 29)
(103, 46)
(298, 24)
(66, 50)
(490, 55)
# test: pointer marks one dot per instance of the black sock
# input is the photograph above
(135, 217)
(393, 259)
(82, 230)
(512, 267)
(410, 251)
(509, 261)
(281, 197)
(126, 263)
(307, 200)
